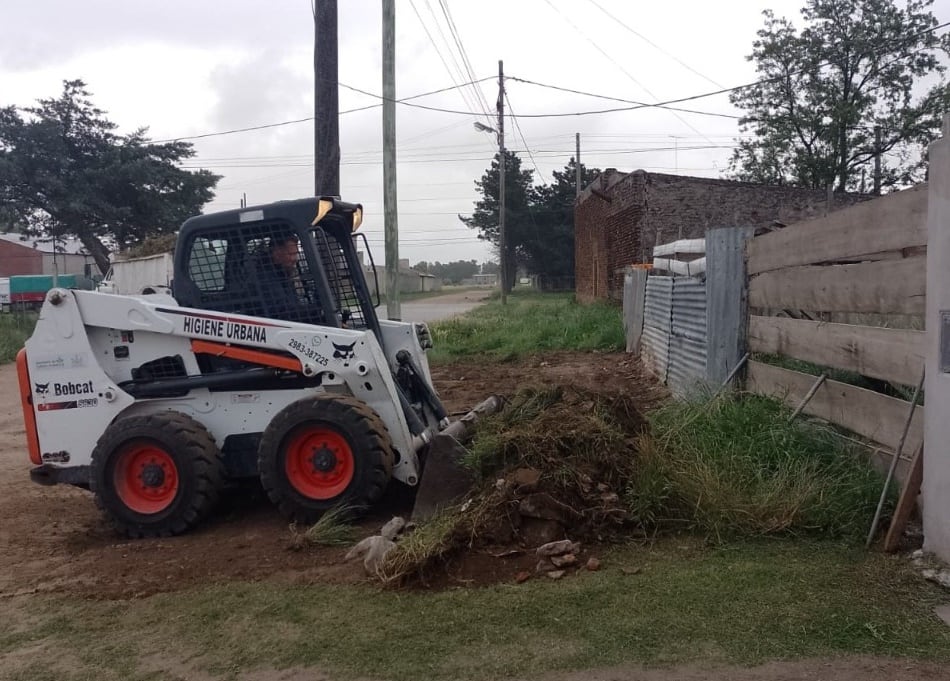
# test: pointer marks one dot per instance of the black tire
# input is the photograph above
(156, 475)
(355, 457)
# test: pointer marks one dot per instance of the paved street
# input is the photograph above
(440, 307)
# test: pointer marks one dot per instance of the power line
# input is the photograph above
(523, 140)
(620, 66)
(265, 126)
(452, 76)
(653, 44)
(619, 99)
(453, 29)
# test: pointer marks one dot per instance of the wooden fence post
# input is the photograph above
(726, 300)
(936, 480)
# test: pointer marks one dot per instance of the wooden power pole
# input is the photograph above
(877, 160)
(326, 103)
(502, 240)
(391, 223)
(577, 162)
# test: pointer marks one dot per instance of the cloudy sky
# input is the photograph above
(185, 68)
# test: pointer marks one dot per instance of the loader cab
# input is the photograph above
(290, 260)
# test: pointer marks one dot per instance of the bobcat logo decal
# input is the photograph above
(42, 388)
(344, 352)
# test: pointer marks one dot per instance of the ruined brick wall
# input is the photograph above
(605, 209)
(647, 209)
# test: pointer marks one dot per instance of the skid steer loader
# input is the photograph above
(267, 360)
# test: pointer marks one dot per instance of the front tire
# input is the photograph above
(324, 452)
(156, 475)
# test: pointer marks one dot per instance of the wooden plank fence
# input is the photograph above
(869, 259)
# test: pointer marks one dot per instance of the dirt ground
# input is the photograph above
(53, 539)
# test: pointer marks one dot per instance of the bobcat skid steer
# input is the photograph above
(268, 360)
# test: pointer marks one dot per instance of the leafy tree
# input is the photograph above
(855, 65)
(551, 253)
(518, 198)
(451, 272)
(64, 171)
(539, 220)
(490, 267)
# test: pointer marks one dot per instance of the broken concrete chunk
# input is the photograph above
(555, 574)
(378, 549)
(522, 577)
(941, 577)
(593, 564)
(556, 548)
(567, 560)
(393, 528)
(544, 565)
(360, 549)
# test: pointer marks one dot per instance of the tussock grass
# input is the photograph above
(332, 529)
(528, 324)
(736, 467)
(424, 547)
(15, 328)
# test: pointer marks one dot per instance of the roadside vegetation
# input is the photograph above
(15, 328)
(530, 323)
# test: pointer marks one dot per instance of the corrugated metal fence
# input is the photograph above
(674, 331)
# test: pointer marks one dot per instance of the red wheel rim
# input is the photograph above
(319, 462)
(145, 477)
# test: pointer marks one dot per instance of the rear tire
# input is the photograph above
(156, 475)
(324, 452)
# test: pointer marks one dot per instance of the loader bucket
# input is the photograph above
(444, 479)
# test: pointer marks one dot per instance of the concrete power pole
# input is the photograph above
(502, 240)
(391, 223)
(577, 162)
(326, 104)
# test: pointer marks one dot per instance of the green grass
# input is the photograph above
(743, 603)
(736, 467)
(15, 328)
(528, 324)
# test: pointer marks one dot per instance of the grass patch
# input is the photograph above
(742, 603)
(332, 529)
(529, 323)
(15, 328)
(736, 467)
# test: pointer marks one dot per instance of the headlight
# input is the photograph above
(425, 338)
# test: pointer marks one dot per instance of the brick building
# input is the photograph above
(620, 217)
(20, 255)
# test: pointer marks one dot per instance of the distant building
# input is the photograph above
(27, 255)
(410, 281)
(620, 217)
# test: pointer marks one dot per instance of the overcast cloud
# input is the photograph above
(185, 67)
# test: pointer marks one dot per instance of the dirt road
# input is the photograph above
(440, 307)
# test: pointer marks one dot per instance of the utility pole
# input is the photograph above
(326, 102)
(502, 241)
(877, 160)
(390, 220)
(577, 162)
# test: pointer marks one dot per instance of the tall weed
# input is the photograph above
(736, 466)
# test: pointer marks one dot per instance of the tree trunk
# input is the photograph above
(96, 249)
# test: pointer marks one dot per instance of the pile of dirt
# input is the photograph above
(552, 465)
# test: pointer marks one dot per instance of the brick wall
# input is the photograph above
(17, 259)
(620, 217)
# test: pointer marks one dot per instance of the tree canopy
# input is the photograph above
(65, 171)
(539, 220)
(450, 272)
(856, 65)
